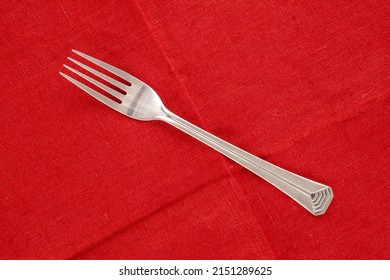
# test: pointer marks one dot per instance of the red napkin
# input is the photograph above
(304, 85)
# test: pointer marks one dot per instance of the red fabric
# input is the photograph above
(302, 84)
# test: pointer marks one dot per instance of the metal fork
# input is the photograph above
(141, 102)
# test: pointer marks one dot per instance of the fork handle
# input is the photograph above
(313, 196)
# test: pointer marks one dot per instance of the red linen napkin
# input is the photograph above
(303, 85)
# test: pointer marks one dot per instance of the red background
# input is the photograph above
(302, 84)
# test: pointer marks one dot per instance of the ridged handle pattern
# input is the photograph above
(313, 196)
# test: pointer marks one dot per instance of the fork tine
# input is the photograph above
(95, 94)
(101, 75)
(124, 75)
(96, 83)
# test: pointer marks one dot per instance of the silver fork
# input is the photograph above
(141, 102)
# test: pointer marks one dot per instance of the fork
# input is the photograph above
(141, 102)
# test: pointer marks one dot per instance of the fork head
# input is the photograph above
(140, 101)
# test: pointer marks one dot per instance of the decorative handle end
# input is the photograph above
(320, 200)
